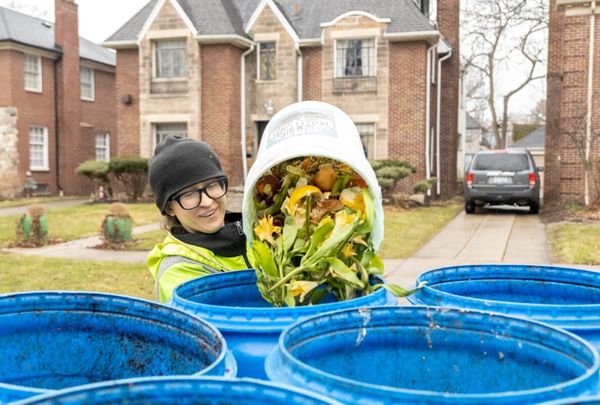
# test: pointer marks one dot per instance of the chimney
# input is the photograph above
(69, 142)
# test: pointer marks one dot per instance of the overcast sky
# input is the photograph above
(98, 19)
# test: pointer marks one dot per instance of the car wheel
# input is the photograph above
(534, 208)
(469, 208)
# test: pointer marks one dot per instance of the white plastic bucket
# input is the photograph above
(311, 128)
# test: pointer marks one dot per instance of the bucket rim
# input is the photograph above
(281, 350)
(179, 381)
(268, 319)
(572, 316)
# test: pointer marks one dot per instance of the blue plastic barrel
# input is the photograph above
(575, 401)
(55, 340)
(433, 355)
(563, 297)
(231, 301)
(181, 390)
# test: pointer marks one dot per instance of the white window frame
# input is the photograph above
(44, 166)
(155, 58)
(374, 125)
(38, 63)
(92, 83)
(102, 147)
(155, 130)
(358, 38)
(258, 54)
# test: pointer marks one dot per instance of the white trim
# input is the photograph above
(120, 44)
(167, 118)
(355, 34)
(243, 109)
(412, 36)
(28, 49)
(154, 14)
(284, 22)
(356, 12)
(46, 165)
(40, 83)
(234, 39)
(579, 11)
(106, 136)
(93, 87)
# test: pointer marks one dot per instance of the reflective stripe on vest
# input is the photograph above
(170, 261)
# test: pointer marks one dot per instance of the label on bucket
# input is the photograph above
(300, 124)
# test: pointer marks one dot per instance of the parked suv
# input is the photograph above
(502, 177)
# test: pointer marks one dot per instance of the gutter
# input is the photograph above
(438, 119)
(243, 107)
(428, 115)
(56, 127)
(299, 62)
(590, 94)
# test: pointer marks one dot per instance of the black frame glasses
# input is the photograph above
(209, 190)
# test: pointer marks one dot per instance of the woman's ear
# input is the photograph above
(169, 209)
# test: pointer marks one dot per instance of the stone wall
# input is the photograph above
(10, 184)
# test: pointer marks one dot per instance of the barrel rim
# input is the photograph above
(267, 319)
(281, 350)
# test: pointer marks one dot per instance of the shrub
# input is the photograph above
(130, 175)
(389, 172)
(424, 186)
(32, 227)
(116, 228)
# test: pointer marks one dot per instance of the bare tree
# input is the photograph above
(504, 41)
(40, 9)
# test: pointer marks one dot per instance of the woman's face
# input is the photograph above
(209, 215)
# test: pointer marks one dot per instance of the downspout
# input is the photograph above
(243, 107)
(588, 129)
(437, 122)
(299, 61)
(56, 127)
(428, 114)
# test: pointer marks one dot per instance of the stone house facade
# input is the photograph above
(573, 105)
(50, 121)
(218, 71)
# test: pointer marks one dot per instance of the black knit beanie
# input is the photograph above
(178, 163)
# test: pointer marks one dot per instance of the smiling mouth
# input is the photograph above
(209, 214)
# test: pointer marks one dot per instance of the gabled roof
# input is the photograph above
(27, 30)
(535, 140)
(229, 17)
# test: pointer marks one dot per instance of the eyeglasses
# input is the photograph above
(191, 199)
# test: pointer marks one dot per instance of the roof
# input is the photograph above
(27, 30)
(472, 123)
(535, 140)
(229, 17)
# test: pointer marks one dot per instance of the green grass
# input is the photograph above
(574, 243)
(29, 273)
(35, 200)
(79, 221)
(407, 231)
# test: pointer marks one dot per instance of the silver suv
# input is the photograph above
(502, 177)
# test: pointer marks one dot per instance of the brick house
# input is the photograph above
(218, 71)
(573, 104)
(57, 101)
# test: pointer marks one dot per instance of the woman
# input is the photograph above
(190, 189)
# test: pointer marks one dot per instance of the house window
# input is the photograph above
(355, 57)
(266, 60)
(162, 130)
(103, 146)
(33, 73)
(367, 137)
(38, 148)
(170, 58)
(86, 76)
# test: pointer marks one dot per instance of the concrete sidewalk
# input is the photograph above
(4, 212)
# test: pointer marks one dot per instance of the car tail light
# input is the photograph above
(532, 179)
(469, 179)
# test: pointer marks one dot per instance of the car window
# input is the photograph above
(506, 162)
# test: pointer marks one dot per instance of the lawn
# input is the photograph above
(572, 243)
(405, 230)
(79, 221)
(28, 273)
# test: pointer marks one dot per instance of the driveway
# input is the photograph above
(491, 236)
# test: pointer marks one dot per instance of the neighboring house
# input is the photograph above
(472, 142)
(573, 105)
(535, 143)
(56, 104)
(219, 70)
